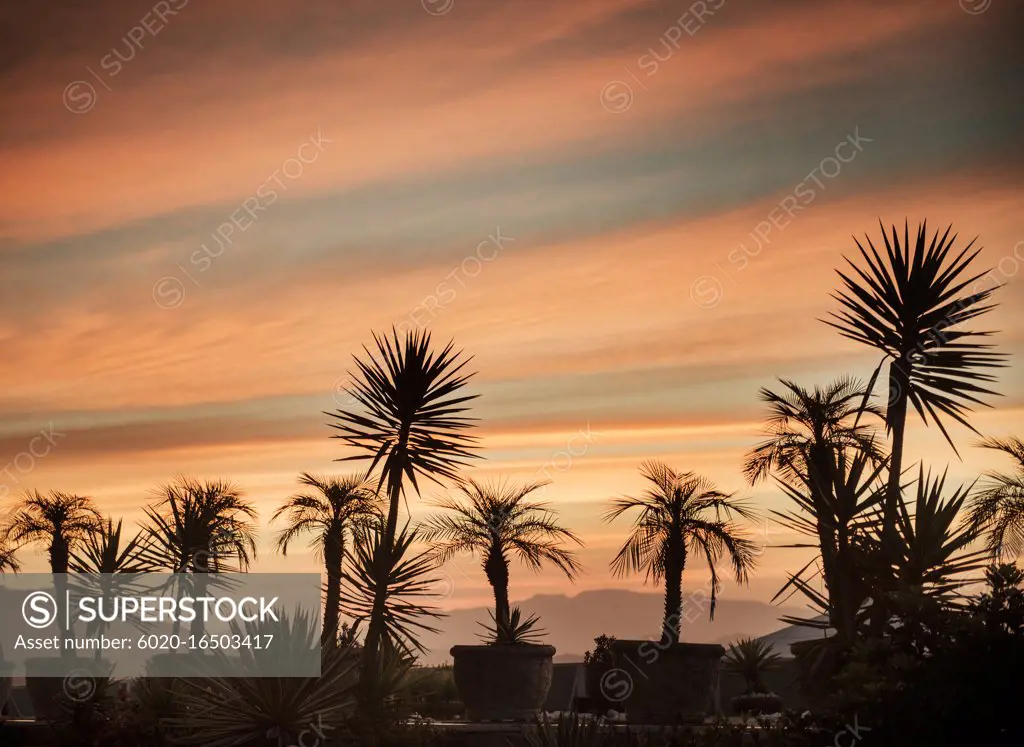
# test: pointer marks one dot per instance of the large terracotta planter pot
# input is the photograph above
(660, 683)
(52, 692)
(502, 683)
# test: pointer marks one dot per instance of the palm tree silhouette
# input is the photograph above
(681, 514)
(58, 521)
(500, 521)
(826, 462)
(8, 561)
(197, 528)
(805, 427)
(998, 508)
(328, 512)
(910, 305)
(412, 423)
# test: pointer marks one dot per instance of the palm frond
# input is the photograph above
(997, 509)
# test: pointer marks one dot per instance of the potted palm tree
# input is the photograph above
(409, 417)
(509, 676)
(60, 522)
(328, 512)
(680, 515)
(751, 658)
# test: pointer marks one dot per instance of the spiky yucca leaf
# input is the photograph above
(936, 549)
(570, 730)
(751, 658)
(910, 304)
(255, 709)
(410, 399)
(406, 577)
(512, 631)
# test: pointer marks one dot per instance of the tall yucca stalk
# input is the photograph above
(910, 303)
(411, 421)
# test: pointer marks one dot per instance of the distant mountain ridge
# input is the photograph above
(572, 623)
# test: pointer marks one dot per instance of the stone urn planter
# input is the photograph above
(503, 682)
(662, 683)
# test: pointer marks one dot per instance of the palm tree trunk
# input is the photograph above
(673, 596)
(60, 556)
(496, 569)
(333, 553)
(371, 646)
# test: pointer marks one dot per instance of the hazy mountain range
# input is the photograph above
(572, 623)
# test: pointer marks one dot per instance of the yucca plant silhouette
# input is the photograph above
(252, 708)
(109, 568)
(937, 556)
(328, 512)
(911, 303)
(840, 514)
(8, 559)
(751, 658)
(500, 521)
(680, 515)
(406, 579)
(410, 418)
(998, 508)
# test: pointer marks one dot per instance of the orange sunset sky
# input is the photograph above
(208, 206)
